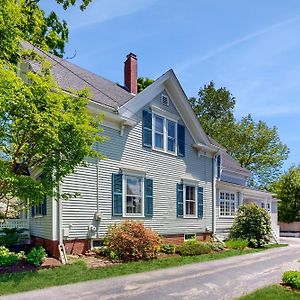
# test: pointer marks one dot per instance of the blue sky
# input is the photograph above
(250, 47)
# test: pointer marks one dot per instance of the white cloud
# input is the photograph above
(105, 10)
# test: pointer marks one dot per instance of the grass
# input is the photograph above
(273, 292)
(76, 272)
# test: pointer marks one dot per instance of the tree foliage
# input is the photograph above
(255, 145)
(41, 128)
(287, 189)
(252, 223)
(25, 20)
(143, 82)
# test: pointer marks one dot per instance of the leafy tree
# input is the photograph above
(143, 82)
(255, 145)
(287, 189)
(259, 149)
(24, 19)
(252, 223)
(41, 128)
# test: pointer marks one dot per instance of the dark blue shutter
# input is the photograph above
(218, 166)
(179, 200)
(147, 129)
(117, 198)
(180, 140)
(200, 202)
(44, 207)
(33, 210)
(148, 210)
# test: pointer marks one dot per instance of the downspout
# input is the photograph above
(60, 237)
(214, 206)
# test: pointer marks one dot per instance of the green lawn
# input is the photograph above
(72, 273)
(273, 292)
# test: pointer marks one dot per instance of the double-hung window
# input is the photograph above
(133, 196)
(164, 134)
(162, 131)
(171, 136)
(190, 202)
(227, 203)
(159, 132)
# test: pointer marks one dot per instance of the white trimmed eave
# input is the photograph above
(111, 117)
(170, 83)
(251, 193)
(228, 185)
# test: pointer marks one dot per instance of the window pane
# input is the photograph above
(171, 129)
(134, 185)
(159, 124)
(159, 141)
(133, 205)
(171, 145)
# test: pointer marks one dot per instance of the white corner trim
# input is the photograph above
(167, 114)
(128, 170)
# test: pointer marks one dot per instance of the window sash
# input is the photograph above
(227, 204)
(134, 198)
(190, 202)
(165, 138)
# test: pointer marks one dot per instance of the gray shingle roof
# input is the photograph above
(71, 77)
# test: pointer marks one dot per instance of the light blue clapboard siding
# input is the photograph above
(41, 226)
(235, 180)
(165, 170)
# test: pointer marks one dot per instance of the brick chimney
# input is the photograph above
(130, 73)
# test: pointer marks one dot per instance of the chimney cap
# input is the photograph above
(131, 55)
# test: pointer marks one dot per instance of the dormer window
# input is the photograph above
(162, 132)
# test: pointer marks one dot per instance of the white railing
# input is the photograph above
(15, 223)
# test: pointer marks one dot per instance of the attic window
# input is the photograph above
(165, 100)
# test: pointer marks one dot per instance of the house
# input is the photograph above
(232, 192)
(161, 167)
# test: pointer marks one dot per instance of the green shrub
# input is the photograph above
(252, 223)
(10, 236)
(7, 258)
(36, 256)
(130, 241)
(236, 244)
(168, 248)
(216, 246)
(292, 278)
(191, 248)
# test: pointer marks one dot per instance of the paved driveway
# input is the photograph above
(222, 279)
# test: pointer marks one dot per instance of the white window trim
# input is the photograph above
(185, 216)
(127, 215)
(266, 203)
(165, 117)
(235, 204)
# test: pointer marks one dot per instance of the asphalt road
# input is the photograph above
(222, 279)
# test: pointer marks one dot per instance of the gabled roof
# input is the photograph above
(228, 162)
(69, 76)
(169, 82)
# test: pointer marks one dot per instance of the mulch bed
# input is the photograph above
(20, 266)
(23, 266)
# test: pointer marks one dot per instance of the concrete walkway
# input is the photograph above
(223, 279)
